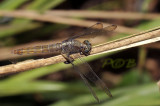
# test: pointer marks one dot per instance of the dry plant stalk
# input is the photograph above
(158, 83)
(58, 19)
(103, 14)
(127, 42)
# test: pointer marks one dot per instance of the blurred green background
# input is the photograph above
(131, 74)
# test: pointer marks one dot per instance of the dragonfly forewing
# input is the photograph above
(95, 30)
(109, 28)
(89, 31)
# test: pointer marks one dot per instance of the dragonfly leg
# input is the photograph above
(68, 58)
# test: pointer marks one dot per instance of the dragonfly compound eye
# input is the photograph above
(88, 47)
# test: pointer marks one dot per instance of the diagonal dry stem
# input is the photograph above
(58, 19)
(149, 36)
(104, 14)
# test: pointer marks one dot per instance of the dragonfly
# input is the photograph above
(73, 46)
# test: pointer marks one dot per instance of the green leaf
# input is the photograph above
(39, 5)
(134, 95)
(11, 4)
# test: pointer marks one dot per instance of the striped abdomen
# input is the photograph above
(39, 49)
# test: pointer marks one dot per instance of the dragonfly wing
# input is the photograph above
(93, 30)
(64, 54)
(94, 78)
(85, 81)
(110, 28)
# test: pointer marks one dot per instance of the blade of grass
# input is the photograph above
(14, 29)
(35, 5)
(133, 95)
(11, 4)
(19, 88)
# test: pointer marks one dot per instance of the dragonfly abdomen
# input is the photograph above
(39, 49)
(55, 47)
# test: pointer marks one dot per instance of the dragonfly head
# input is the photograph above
(87, 49)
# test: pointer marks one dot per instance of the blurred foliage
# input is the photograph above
(58, 93)
(110, 5)
(22, 25)
(149, 25)
(145, 5)
(10, 4)
(133, 78)
(133, 95)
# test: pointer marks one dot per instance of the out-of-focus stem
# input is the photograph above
(59, 19)
(142, 57)
(158, 83)
(104, 14)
